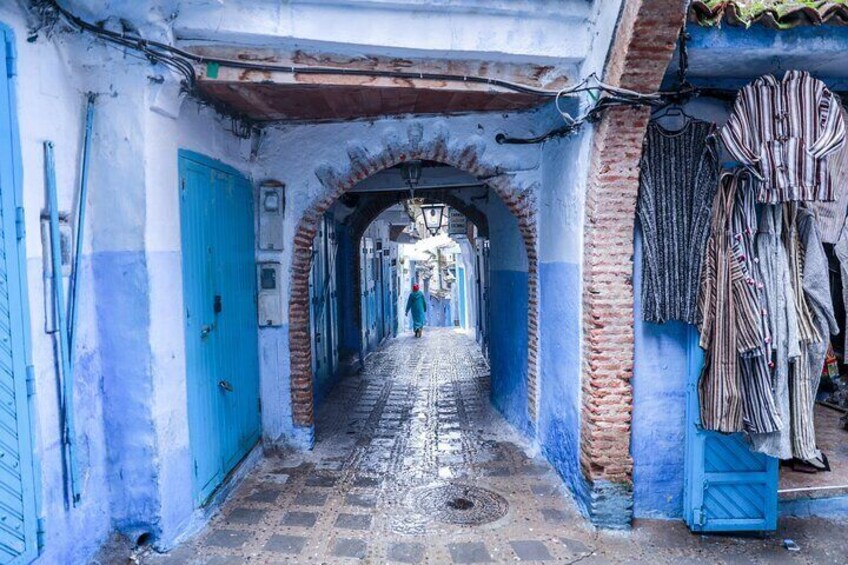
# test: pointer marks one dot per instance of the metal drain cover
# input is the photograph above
(459, 504)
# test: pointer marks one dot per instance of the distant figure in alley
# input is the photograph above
(417, 304)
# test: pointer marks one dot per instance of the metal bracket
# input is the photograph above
(11, 55)
(20, 225)
(30, 381)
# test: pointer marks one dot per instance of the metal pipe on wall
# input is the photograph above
(63, 351)
(73, 289)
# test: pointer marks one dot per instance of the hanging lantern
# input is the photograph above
(410, 172)
(433, 217)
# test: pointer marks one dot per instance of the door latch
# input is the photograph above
(226, 385)
(205, 331)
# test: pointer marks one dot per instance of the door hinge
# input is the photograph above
(30, 381)
(10, 58)
(195, 467)
(699, 517)
(20, 225)
(259, 404)
(40, 533)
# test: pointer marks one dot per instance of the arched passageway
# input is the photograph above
(516, 212)
(364, 264)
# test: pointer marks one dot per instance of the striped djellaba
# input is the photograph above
(759, 409)
(830, 216)
(735, 385)
(783, 130)
(679, 173)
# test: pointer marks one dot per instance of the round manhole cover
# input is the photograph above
(459, 504)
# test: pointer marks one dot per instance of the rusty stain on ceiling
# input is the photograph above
(270, 95)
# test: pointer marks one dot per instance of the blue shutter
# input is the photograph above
(728, 488)
(18, 519)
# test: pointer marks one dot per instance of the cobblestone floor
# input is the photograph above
(418, 417)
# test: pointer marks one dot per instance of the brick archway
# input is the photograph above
(362, 164)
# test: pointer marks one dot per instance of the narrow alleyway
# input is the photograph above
(412, 465)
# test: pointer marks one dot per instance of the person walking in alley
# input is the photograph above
(417, 304)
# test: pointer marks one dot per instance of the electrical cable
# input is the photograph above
(182, 61)
(160, 52)
(605, 95)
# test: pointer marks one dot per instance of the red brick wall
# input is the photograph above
(335, 183)
(642, 49)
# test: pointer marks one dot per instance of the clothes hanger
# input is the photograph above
(673, 110)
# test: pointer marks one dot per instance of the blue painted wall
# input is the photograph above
(559, 370)
(659, 410)
(120, 280)
(275, 359)
(508, 346)
(730, 57)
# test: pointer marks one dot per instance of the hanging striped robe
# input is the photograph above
(830, 216)
(782, 130)
(732, 319)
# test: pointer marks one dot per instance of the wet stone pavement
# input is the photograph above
(413, 465)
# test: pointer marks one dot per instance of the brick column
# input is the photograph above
(643, 47)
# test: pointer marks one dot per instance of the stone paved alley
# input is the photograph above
(413, 465)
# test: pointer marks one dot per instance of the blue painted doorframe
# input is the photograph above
(219, 285)
(19, 500)
(727, 487)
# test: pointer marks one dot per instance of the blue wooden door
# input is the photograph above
(234, 306)
(460, 280)
(728, 488)
(369, 296)
(321, 299)
(216, 223)
(18, 518)
(379, 298)
(333, 305)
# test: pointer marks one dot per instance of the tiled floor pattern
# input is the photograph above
(419, 416)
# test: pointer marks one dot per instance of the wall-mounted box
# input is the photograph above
(272, 206)
(269, 276)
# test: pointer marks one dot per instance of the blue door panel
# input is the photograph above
(18, 527)
(216, 223)
(728, 488)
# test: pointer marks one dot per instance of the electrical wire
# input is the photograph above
(605, 95)
(182, 60)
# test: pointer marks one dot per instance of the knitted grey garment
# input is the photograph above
(679, 177)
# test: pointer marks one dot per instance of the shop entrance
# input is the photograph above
(825, 476)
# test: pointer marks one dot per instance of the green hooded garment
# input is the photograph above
(417, 304)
